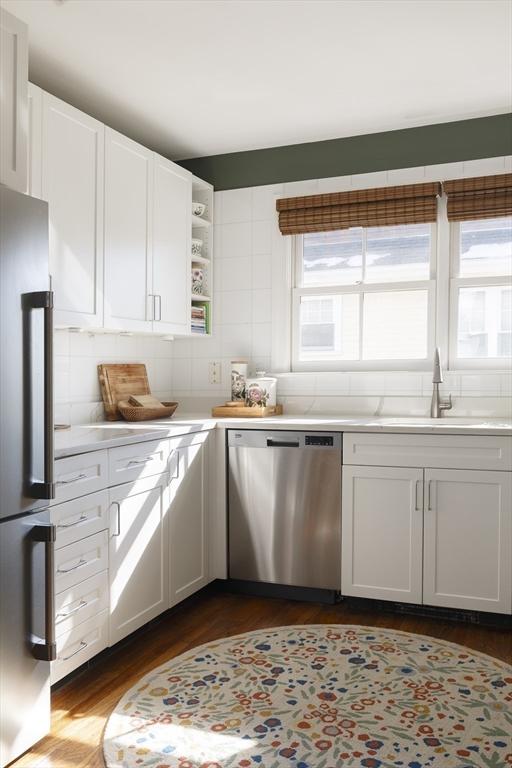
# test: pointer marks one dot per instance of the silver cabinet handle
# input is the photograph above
(139, 462)
(118, 518)
(71, 525)
(153, 313)
(75, 479)
(81, 647)
(418, 506)
(65, 614)
(157, 296)
(80, 563)
(47, 650)
(177, 454)
(429, 496)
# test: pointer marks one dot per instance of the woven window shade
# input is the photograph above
(484, 197)
(409, 204)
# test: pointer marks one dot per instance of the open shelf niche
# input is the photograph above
(202, 229)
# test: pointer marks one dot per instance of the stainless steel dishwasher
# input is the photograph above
(285, 507)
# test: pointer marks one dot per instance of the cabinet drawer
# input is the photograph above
(134, 462)
(439, 451)
(80, 518)
(79, 645)
(80, 560)
(79, 603)
(78, 475)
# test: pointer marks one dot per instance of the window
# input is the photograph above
(481, 296)
(364, 298)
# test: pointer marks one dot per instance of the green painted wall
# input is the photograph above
(426, 145)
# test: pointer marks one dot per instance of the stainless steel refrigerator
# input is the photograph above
(27, 641)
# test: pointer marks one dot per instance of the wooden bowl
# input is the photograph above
(140, 413)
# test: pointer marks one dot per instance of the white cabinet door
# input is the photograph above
(172, 202)
(188, 518)
(138, 554)
(468, 540)
(35, 136)
(13, 89)
(382, 531)
(72, 184)
(128, 205)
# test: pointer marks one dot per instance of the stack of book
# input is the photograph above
(200, 318)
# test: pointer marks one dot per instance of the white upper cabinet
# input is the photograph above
(128, 261)
(13, 97)
(468, 540)
(172, 202)
(72, 178)
(382, 533)
(120, 223)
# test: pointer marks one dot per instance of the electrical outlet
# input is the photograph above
(214, 372)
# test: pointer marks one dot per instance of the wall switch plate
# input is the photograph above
(214, 370)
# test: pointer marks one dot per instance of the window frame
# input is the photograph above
(468, 363)
(360, 288)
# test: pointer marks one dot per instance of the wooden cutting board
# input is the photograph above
(118, 381)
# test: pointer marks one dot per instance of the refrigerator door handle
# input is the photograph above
(47, 649)
(44, 300)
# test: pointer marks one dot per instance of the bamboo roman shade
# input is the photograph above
(409, 204)
(485, 197)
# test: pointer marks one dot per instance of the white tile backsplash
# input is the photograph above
(235, 307)
(235, 241)
(487, 165)
(261, 237)
(264, 201)
(77, 355)
(369, 180)
(262, 305)
(262, 270)
(236, 340)
(236, 205)
(234, 274)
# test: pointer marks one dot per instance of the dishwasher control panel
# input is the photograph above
(325, 441)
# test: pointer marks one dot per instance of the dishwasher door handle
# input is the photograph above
(281, 444)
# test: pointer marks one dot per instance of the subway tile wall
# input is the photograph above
(245, 249)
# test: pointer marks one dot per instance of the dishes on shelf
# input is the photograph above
(197, 245)
(198, 208)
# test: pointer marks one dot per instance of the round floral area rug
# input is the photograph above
(317, 697)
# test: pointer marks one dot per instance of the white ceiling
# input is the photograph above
(202, 77)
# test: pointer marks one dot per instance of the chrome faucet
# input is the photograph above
(438, 405)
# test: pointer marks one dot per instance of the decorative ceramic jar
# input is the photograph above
(197, 280)
(261, 391)
(238, 380)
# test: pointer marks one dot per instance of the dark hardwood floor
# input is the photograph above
(82, 705)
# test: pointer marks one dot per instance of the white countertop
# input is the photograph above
(94, 437)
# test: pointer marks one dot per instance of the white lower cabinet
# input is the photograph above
(382, 533)
(468, 540)
(441, 537)
(187, 516)
(138, 554)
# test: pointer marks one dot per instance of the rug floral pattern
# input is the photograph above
(318, 697)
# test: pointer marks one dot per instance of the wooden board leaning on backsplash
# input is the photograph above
(118, 381)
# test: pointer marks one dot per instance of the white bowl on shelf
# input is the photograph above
(198, 208)
(197, 246)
